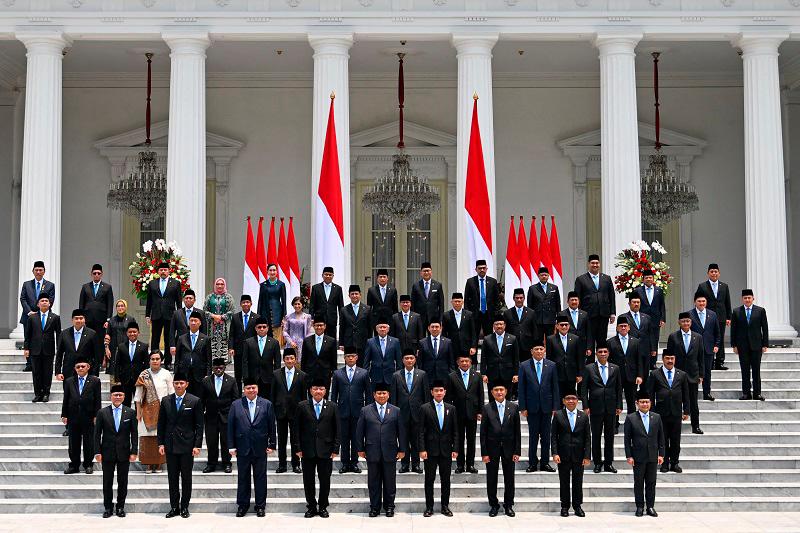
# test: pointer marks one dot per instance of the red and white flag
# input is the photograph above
(524, 257)
(476, 200)
(261, 256)
(283, 262)
(250, 280)
(556, 273)
(512, 268)
(293, 287)
(533, 252)
(272, 248)
(544, 249)
(328, 208)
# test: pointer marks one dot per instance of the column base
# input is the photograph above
(782, 335)
(18, 333)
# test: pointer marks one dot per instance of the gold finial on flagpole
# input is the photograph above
(333, 95)
(475, 96)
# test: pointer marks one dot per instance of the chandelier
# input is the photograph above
(143, 194)
(664, 196)
(400, 196)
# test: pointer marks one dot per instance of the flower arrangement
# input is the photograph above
(145, 267)
(634, 260)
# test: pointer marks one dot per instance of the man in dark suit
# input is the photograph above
(116, 441)
(564, 349)
(131, 358)
(262, 357)
(458, 325)
(718, 297)
(163, 298)
(544, 299)
(97, 299)
(218, 392)
(179, 324)
(644, 448)
(409, 390)
(29, 298)
(78, 411)
(350, 390)
(641, 327)
(501, 442)
(687, 346)
(705, 323)
(381, 438)
(465, 392)
(482, 298)
(251, 436)
(624, 351)
(571, 446)
(596, 293)
(289, 388)
(668, 388)
(427, 295)
(578, 323)
(520, 322)
(438, 431)
(180, 437)
(500, 355)
(40, 347)
(538, 401)
(319, 353)
(750, 339)
(243, 327)
(315, 436)
(407, 326)
(435, 355)
(383, 355)
(382, 296)
(653, 302)
(602, 401)
(326, 300)
(76, 342)
(193, 353)
(355, 321)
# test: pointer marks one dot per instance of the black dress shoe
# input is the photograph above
(532, 468)
(651, 512)
(697, 431)
(228, 469)
(260, 512)
(89, 470)
(310, 513)
(428, 513)
(579, 512)
(708, 398)
(664, 467)
(493, 510)
(759, 398)
(36, 399)
(184, 513)
(472, 470)
(355, 469)
(745, 397)
(66, 433)
(344, 470)
(373, 513)
(281, 469)
(459, 470)
(616, 430)
(390, 512)
(108, 513)
(510, 511)
(71, 470)
(209, 468)
(676, 468)
(418, 469)
(46, 398)
(323, 513)
(610, 468)
(297, 470)
(121, 513)
(547, 468)
(241, 511)
(404, 469)
(446, 511)
(598, 469)
(639, 511)
(172, 512)
(564, 511)
(720, 367)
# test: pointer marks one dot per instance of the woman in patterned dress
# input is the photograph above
(296, 327)
(219, 308)
(151, 386)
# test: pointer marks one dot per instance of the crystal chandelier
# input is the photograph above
(664, 196)
(400, 196)
(143, 194)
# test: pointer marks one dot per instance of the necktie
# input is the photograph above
(246, 319)
(350, 374)
(603, 375)
(575, 317)
(636, 320)
(78, 339)
(747, 311)
(131, 350)
(501, 409)
(261, 345)
(539, 371)
(571, 420)
(564, 342)
(465, 377)
(519, 314)
(483, 295)
(44, 321)
(427, 288)
(702, 315)
(194, 340)
(458, 319)
(218, 384)
(318, 343)
(383, 346)
(714, 287)
(289, 378)
(188, 313)
(252, 411)
(440, 414)
(116, 418)
(409, 380)
(383, 294)
(669, 378)
(646, 420)
(317, 409)
(178, 402)
(162, 286)
(327, 291)
(624, 342)
(405, 320)
(81, 381)
(38, 289)
(650, 295)
(544, 287)
(355, 309)
(94, 289)
(380, 412)
(596, 280)
(435, 346)
(686, 339)
(499, 342)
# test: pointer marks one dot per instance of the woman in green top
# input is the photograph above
(219, 308)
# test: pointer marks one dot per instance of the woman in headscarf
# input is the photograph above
(296, 327)
(151, 386)
(219, 308)
(272, 302)
(116, 333)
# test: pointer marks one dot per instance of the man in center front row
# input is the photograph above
(116, 441)
(644, 448)
(437, 433)
(572, 445)
(501, 441)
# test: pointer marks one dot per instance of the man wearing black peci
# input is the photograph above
(326, 301)
(76, 342)
(544, 299)
(705, 323)
(750, 339)
(718, 297)
(571, 446)
(243, 327)
(437, 438)
(602, 401)
(163, 298)
(668, 388)
(29, 295)
(406, 326)
(409, 391)
(624, 351)
(482, 298)
(262, 357)
(41, 334)
(97, 299)
(319, 353)
(193, 353)
(427, 296)
(465, 392)
(687, 346)
(179, 324)
(653, 304)
(116, 443)
(520, 322)
(458, 326)
(596, 292)
(218, 392)
(131, 358)
(644, 448)
(78, 411)
(381, 295)
(578, 323)
(289, 388)
(564, 349)
(350, 391)
(355, 321)
(501, 442)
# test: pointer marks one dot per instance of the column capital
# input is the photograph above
(187, 42)
(474, 43)
(331, 43)
(45, 42)
(759, 42)
(617, 42)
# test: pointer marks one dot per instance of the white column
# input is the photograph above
(474, 54)
(331, 74)
(40, 237)
(186, 156)
(765, 199)
(620, 193)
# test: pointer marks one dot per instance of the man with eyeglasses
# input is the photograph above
(78, 411)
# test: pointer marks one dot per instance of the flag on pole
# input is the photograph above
(293, 288)
(533, 251)
(476, 200)
(512, 269)
(283, 262)
(555, 257)
(544, 249)
(524, 257)
(272, 248)
(329, 212)
(250, 280)
(261, 255)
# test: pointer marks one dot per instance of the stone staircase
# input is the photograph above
(748, 460)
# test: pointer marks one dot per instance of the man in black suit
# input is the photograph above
(500, 355)
(383, 355)
(641, 326)
(355, 321)
(407, 326)
(687, 347)
(262, 357)
(179, 324)
(564, 349)
(40, 347)
(438, 431)
(544, 299)
(381, 440)
(315, 436)
(705, 323)
(668, 388)
(78, 411)
(319, 355)
(501, 442)
(29, 298)
(409, 391)
(251, 436)
(193, 353)
(602, 401)
(382, 296)
(76, 342)
(180, 437)
(571, 445)
(427, 295)
(326, 300)
(116, 441)
(350, 389)
(131, 358)
(435, 355)
(596, 293)
(750, 339)
(653, 304)
(218, 392)
(163, 298)
(644, 448)
(538, 401)
(458, 325)
(243, 327)
(465, 392)
(482, 298)
(289, 388)
(578, 323)
(718, 297)
(97, 299)
(520, 322)
(624, 351)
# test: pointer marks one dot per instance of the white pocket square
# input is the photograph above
(187, 409)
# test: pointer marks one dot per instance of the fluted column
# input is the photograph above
(186, 156)
(40, 197)
(765, 200)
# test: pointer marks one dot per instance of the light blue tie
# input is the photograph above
(218, 384)
(131, 350)
(636, 320)
(350, 374)
(246, 318)
(686, 339)
(440, 414)
(646, 420)
(194, 340)
(380, 412)
(355, 309)
(575, 317)
(383, 294)
(539, 371)
(409, 380)
(747, 312)
(669, 378)
(624, 342)
(162, 284)
(714, 287)
(77, 339)
(596, 280)
(571, 420)
(649, 295)
(702, 316)
(465, 378)
(327, 291)
(427, 288)
(188, 314)
(603, 375)
(317, 409)
(38, 289)
(44, 321)
(252, 411)
(178, 402)
(261, 341)
(318, 343)
(94, 289)
(483, 296)
(383, 346)
(564, 342)
(519, 314)
(499, 343)
(116, 418)
(81, 381)
(405, 320)
(501, 409)
(289, 379)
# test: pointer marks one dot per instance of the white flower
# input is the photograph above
(660, 249)
(147, 246)
(171, 245)
(177, 251)
(634, 246)
(160, 244)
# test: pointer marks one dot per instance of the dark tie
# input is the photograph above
(81, 381)
(246, 319)
(316, 408)
(435, 346)
(747, 311)
(178, 402)
(539, 371)
(380, 412)
(38, 289)
(603, 374)
(44, 321)
(669, 378)
(483, 296)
